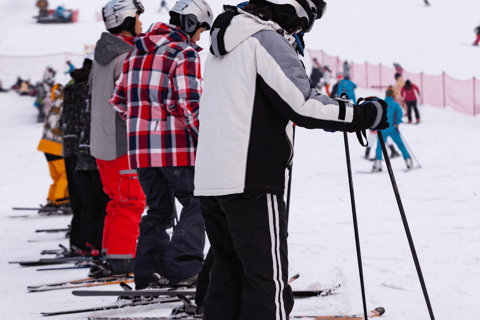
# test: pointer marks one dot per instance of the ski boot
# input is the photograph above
(367, 152)
(377, 166)
(189, 309)
(394, 153)
(409, 163)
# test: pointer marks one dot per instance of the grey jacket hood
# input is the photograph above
(234, 26)
(110, 46)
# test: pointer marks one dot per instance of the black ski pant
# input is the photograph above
(249, 278)
(181, 256)
(203, 280)
(77, 225)
(95, 202)
(412, 105)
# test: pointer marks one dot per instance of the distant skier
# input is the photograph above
(408, 94)
(398, 88)
(325, 80)
(49, 76)
(346, 70)
(71, 67)
(477, 32)
(394, 115)
(333, 94)
(316, 74)
(426, 2)
(348, 87)
(42, 6)
(163, 5)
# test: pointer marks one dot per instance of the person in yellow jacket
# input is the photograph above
(397, 96)
(52, 144)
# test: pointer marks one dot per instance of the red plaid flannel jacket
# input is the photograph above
(159, 94)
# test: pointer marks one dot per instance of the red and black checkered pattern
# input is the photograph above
(159, 93)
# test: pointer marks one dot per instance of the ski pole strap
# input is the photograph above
(360, 138)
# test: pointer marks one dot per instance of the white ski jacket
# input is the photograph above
(254, 87)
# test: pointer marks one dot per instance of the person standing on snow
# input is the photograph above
(52, 144)
(398, 91)
(160, 101)
(394, 114)
(87, 198)
(408, 95)
(347, 86)
(163, 5)
(325, 81)
(316, 74)
(477, 32)
(109, 139)
(71, 67)
(255, 87)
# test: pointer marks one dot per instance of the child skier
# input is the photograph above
(348, 87)
(394, 115)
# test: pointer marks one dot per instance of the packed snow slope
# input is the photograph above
(441, 200)
(429, 39)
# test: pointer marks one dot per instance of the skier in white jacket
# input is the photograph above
(255, 87)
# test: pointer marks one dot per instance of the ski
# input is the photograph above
(35, 209)
(82, 266)
(114, 306)
(173, 292)
(81, 283)
(377, 312)
(53, 230)
(45, 262)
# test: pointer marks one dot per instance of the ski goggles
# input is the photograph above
(139, 6)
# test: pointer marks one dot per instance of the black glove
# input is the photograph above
(376, 111)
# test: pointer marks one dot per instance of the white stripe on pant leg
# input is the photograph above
(280, 274)
(274, 258)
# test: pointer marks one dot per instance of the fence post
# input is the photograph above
(421, 87)
(444, 92)
(338, 63)
(474, 98)
(366, 73)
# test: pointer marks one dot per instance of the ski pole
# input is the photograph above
(355, 224)
(405, 224)
(289, 188)
(409, 149)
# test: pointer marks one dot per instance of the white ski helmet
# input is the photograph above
(115, 12)
(193, 14)
(306, 10)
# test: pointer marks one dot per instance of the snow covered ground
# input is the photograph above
(441, 200)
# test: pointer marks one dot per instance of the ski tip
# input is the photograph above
(380, 310)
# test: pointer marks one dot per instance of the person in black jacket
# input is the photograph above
(87, 198)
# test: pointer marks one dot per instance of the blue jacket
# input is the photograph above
(349, 88)
(394, 113)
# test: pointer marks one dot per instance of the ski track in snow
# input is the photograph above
(441, 200)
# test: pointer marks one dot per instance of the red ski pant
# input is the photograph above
(477, 40)
(124, 210)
